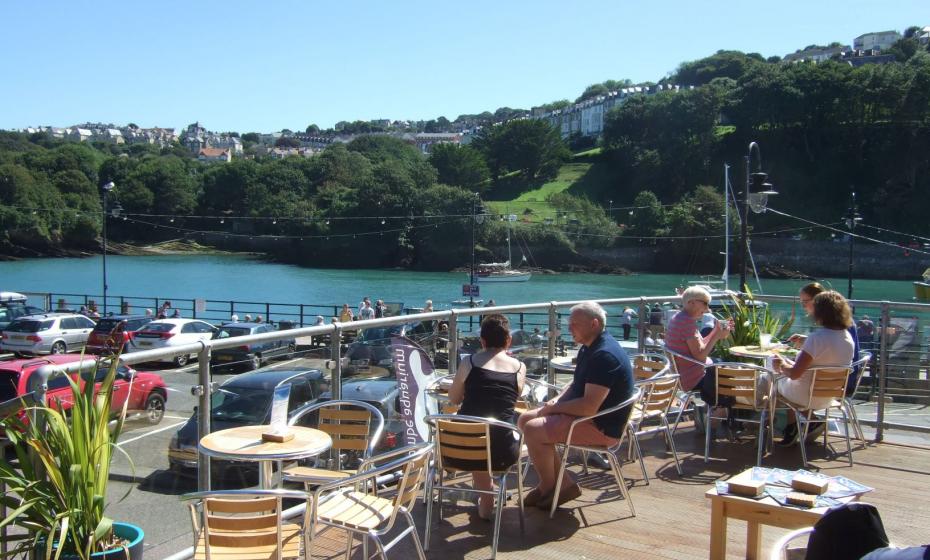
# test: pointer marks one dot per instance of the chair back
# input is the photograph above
(858, 367)
(649, 365)
(828, 382)
(465, 438)
(742, 382)
(674, 357)
(250, 520)
(348, 423)
(415, 469)
(659, 395)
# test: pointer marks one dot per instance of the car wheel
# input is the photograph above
(181, 360)
(59, 348)
(256, 361)
(154, 408)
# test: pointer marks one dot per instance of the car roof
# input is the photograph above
(269, 378)
(40, 316)
(56, 359)
(244, 324)
(12, 297)
(126, 317)
(176, 321)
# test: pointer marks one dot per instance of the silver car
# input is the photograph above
(49, 333)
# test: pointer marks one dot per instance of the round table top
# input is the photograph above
(757, 352)
(563, 363)
(245, 443)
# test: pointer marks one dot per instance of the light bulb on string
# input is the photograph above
(275, 221)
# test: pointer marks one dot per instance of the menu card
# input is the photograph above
(778, 484)
(278, 429)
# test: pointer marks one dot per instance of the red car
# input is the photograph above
(113, 332)
(148, 394)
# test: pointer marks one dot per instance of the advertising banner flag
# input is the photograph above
(415, 372)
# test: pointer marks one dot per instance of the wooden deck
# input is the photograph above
(673, 516)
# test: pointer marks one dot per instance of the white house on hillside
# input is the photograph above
(878, 41)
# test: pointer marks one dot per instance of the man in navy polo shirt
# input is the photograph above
(603, 379)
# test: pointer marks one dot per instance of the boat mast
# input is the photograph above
(726, 226)
(508, 242)
(471, 276)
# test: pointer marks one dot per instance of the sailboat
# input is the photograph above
(502, 272)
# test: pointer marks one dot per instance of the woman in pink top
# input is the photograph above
(683, 336)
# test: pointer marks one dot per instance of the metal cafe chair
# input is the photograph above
(865, 358)
(610, 452)
(686, 402)
(349, 424)
(246, 525)
(745, 384)
(658, 395)
(469, 438)
(353, 505)
(649, 365)
(827, 382)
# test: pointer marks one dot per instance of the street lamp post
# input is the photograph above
(757, 179)
(106, 191)
(852, 218)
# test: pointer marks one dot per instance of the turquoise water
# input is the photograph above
(225, 277)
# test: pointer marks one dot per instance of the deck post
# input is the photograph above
(453, 345)
(335, 354)
(882, 372)
(553, 335)
(203, 416)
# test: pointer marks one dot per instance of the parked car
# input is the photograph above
(114, 332)
(250, 355)
(12, 306)
(370, 354)
(148, 395)
(165, 333)
(245, 400)
(48, 333)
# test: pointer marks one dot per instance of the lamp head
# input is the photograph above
(109, 186)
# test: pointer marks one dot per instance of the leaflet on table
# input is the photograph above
(279, 400)
(780, 495)
(772, 476)
(840, 486)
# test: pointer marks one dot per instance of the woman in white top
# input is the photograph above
(830, 345)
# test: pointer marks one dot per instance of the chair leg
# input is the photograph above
(558, 482)
(760, 443)
(848, 440)
(707, 432)
(413, 535)
(520, 494)
(634, 443)
(854, 416)
(683, 405)
(350, 540)
(498, 509)
(618, 475)
(427, 525)
(671, 442)
(803, 437)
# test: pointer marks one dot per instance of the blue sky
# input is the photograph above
(264, 66)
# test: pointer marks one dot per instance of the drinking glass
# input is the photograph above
(765, 340)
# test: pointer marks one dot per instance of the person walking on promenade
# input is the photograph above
(366, 312)
(345, 316)
(626, 321)
(603, 378)
(380, 309)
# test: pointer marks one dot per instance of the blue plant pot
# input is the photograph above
(126, 531)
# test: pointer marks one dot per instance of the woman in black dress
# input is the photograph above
(487, 384)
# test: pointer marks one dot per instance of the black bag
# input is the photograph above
(847, 532)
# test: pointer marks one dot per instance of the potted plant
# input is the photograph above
(750, 319)
(57, 490)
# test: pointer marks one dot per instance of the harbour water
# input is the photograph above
(243, 278)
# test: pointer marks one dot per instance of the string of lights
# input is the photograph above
(891, 231)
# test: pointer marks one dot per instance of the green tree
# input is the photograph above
(648, 218)
(460, 166)
(531, 147)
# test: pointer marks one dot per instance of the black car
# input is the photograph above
(250, 355)
(245, 400)
(370, 354)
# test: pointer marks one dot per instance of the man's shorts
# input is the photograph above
(585, 433)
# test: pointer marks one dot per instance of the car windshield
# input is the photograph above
(29, 326)
(158, 327)
(107, 325)
(381, 334)
(240, 404)
(227, 332)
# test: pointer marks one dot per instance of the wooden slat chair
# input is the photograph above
(469, 438)
(341, 503)
(859, 367)
(658, 395)
(353, 425)
(649, 365)
(751, 387)
(686, 402)
(828, 382)
(246, 525)
(609, 452)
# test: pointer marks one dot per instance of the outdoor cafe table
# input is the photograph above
(245, 443)
(755, 513)
(756, 352)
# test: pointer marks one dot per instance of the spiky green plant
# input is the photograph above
(57, 490)
(749, 321)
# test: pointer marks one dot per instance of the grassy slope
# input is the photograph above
(579, 177)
